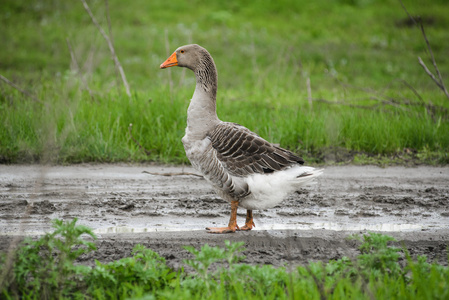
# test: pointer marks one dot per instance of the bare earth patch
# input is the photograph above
(126, 206)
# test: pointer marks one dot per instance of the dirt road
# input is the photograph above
(126, 206)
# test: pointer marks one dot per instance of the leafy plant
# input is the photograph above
(45, 268)
(145, 269)
(207, 256)
(376, 256)
(218, 271)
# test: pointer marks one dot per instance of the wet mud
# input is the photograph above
(126, 206)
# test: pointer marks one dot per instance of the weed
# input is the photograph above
(376, 256)
(46, 269)
(207, 256)
(145, 270)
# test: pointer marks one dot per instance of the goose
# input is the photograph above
(244, 169)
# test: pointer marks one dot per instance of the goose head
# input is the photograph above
(188, 56)
(197, 59)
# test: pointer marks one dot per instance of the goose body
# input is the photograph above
(244, 169)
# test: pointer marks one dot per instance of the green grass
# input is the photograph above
(46, 269)
(357, 54)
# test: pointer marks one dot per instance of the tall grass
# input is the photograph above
(357, 54)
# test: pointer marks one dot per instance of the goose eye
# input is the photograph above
(182, 51)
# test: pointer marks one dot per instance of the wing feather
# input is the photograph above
(243, 152)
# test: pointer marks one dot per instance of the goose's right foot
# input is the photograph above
(249, 223)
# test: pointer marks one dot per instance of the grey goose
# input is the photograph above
(243, 168)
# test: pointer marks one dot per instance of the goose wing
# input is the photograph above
(242, 152)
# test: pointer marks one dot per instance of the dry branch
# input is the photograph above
(26, 93)
(344, 103)
(111, 37)
(108, 19)
(421, 62)
(438, 81)
(395, 102)
(412, 89)
(111, 48)
(383, 100)
(173, 174)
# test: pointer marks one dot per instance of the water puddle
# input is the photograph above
(383, 227)
(346, 227)
(303, 226)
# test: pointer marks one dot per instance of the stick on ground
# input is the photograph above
(173, 174)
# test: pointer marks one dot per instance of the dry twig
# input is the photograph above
(385, 100)
(438, 81)
(26, 93)
(111, 48)
(108, 19)
(173, 174)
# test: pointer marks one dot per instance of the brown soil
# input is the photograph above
(126, 207)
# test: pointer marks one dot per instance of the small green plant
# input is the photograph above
(376, 256)
(45, 268)
(145, 269)
(218, 271)
(207, 256)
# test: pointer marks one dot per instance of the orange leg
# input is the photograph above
(249, 224)
(232, 227)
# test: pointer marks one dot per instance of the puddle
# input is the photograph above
(383, 227)
(303, 226)
(346, 227)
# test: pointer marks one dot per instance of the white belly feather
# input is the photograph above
(268, 190)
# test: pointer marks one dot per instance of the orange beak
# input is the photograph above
(170, 62)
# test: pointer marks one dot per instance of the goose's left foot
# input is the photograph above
(249, 223)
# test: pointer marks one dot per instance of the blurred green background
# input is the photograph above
(371, 98)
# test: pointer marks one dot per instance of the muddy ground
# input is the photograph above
(127, 206)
